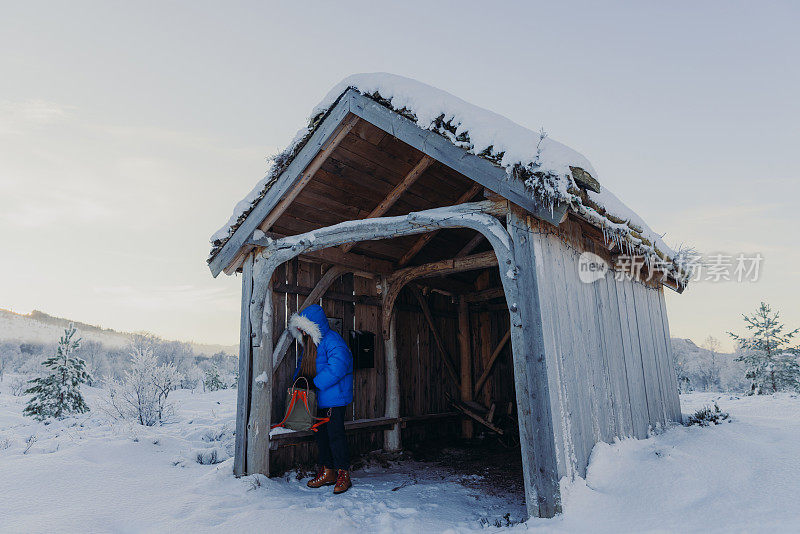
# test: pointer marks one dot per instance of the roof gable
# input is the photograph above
(533, 171)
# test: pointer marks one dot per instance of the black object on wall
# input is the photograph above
(362, 345)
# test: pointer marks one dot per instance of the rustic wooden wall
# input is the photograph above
(607, 348)
(422, 375)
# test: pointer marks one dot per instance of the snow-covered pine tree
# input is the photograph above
(771, 361)
(212, 380)
(58, 393)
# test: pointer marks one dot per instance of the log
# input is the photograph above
(469, 412)
(489, 366)
(391, 438)
(261, 385)
(466, 361)
(536, 432)
(308, 173)
(438, 268)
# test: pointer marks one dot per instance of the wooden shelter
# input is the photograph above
(465, 266)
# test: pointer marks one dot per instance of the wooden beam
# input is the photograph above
(470, 246)
(534, 412)
(245, 378)
(261, 385)
(464, 336)
(425, 238)
(355, 263)
(437, 268)
(395, 193)
(472, 415)
(293, 289)
(426, 311)
(391, 438)
(308, 173)
(285, 341)
(485, 294)
(367, 424)
(476, 168)
(490, 365)
(322, 135)
(349, 426)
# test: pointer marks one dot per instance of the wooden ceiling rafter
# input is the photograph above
(425, 238)
(395, 193)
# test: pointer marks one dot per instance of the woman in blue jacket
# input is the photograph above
(328, 361)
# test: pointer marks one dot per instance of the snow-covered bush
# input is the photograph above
(58, 394)
(18, 386)
(708, 416)
(192, 378)
(212, 380)
(142, 393)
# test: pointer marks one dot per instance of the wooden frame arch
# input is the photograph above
(514, 255)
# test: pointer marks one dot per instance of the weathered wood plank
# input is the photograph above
(243, 386)
(392, 437)
(634, 367)
(551, 298)
(261, 396)
(615, 355)
(676, 402)
(537, 442)
(651, 382)
(465, 353)
(574, 352)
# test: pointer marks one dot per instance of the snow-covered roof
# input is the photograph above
(551, 171)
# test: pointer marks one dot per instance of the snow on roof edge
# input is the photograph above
(546, 166)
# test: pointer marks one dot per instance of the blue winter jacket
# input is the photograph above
(334, 378)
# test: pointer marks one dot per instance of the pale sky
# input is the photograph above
(128, 131)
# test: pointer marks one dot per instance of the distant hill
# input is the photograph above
(39, 327)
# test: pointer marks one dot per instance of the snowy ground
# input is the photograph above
(89, 475)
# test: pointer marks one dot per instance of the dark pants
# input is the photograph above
(331, 441)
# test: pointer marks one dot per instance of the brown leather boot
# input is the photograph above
(342, 482)
(325, 477)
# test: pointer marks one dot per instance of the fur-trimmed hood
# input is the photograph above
(312, 321)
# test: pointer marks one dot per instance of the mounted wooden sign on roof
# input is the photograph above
(449, 230)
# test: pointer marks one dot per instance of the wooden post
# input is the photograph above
(245, 358)
(536, 432)
(261, 386)
(391, 437)
(466, 362)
